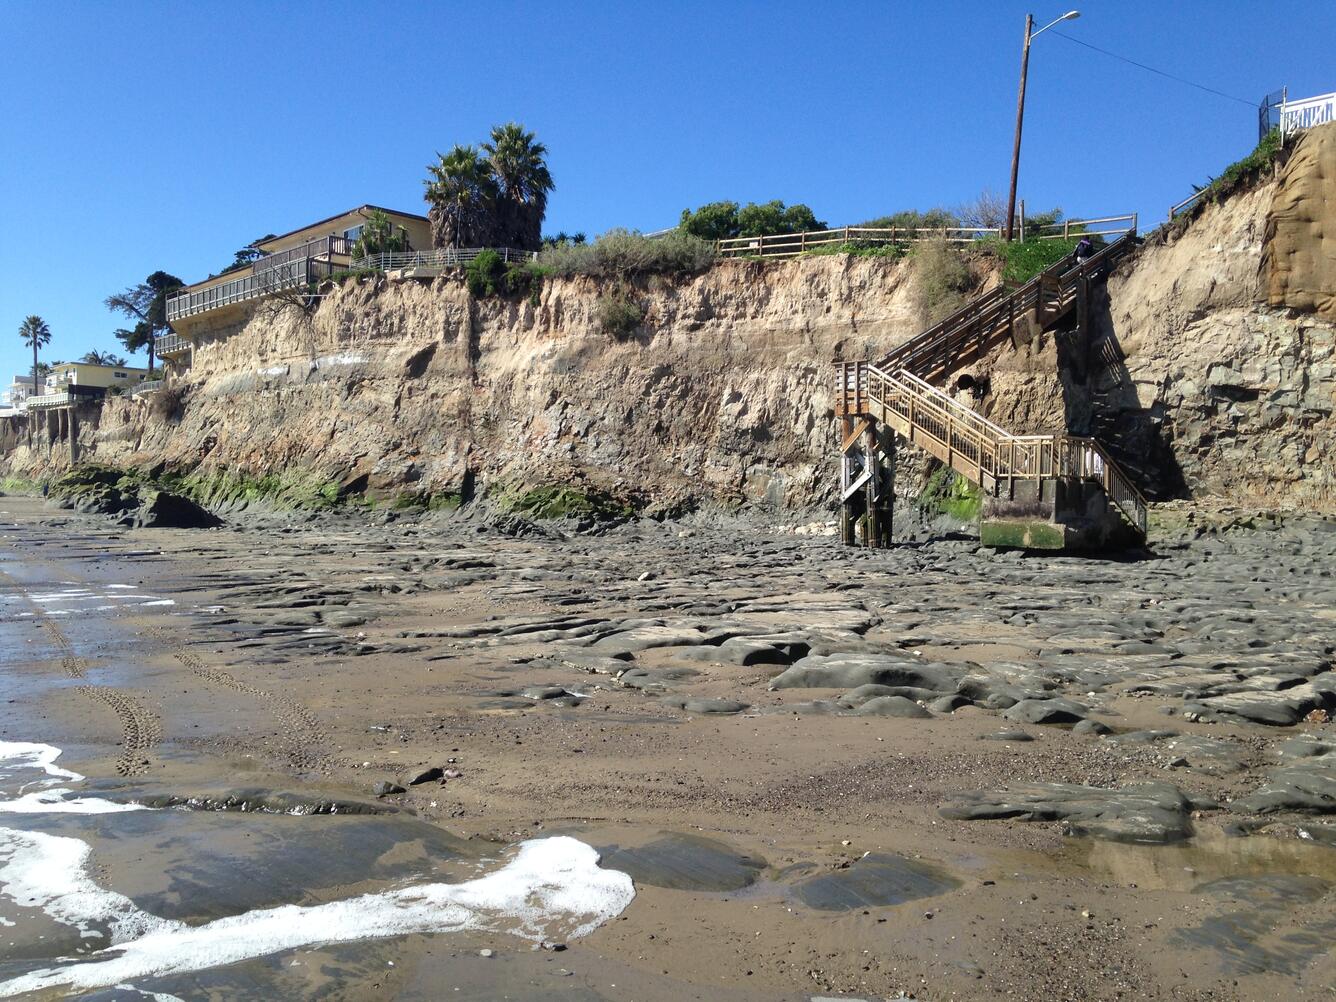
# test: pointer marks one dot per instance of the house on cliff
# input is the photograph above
(18, 391)
(289, 261)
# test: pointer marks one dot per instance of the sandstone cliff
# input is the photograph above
(1209, 370)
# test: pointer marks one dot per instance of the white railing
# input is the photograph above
(442, 257)
(1307, 113)
(60, 399)
(148, 386)
(793, 244)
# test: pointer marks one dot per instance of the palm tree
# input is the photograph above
(462, 195)
(103, 358)
(518, 165)
(35, 334)
(379, 235)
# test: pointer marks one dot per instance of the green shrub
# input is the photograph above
(485, 274)
(712, 221)
(944, 280)
(912, 219)
(771, 218)
(523, 280)
(618, 314)
(624, 255)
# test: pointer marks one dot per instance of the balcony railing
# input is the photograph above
(275, 278)
(170, 344)
(61, 399)
(148, 386)
(320, 248)
(442, 257)
(66, 396)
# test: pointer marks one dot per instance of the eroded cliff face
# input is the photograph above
(723, 395)
(1223, 355)
(1209, 369)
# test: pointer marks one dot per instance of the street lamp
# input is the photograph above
(1071, 15)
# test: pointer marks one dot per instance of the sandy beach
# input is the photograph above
(936, 770)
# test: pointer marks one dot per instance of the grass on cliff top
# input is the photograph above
(1241, 175)
(1022, 260)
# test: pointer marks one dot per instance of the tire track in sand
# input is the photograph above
(140, 727)
(300, 732)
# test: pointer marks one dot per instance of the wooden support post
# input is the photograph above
(74, 436)
(888, 490)
(846, 478)
(872, 533)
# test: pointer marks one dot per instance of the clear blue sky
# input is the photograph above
(166, 135)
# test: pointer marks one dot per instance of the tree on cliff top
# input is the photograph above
(103, 358)
(380, 236)
(722, 220)
(519, 168)
(35, 334)
(461, 193)
(147, 304)
(491, 196)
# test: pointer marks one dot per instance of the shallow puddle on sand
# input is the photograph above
(1209, 856)
(684, 863)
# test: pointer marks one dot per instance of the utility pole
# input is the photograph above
(1020, 117)
(1030, 34)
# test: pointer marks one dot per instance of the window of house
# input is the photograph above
(121, 375)
(353, 232)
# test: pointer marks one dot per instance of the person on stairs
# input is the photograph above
(1084, 249)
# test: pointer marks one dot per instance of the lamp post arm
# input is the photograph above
(1050, 24)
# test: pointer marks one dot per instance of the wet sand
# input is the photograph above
(885, 820)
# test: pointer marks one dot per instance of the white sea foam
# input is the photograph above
(551, 883)
(50, 872)
(24, 755)
(57, 801)
(16, 756)
(61, 596)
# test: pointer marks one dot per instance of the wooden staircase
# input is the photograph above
(898, 391)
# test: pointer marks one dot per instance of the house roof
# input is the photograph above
(337, 215)
(95, 365)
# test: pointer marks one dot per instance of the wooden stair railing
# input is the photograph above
(986, 321)
(985, 453)
(897, 390)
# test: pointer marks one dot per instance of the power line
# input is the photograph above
(1152, 69)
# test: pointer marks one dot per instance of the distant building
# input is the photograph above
(18, 392)
(85, 374)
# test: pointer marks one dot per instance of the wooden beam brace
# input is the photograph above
(851, 439)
